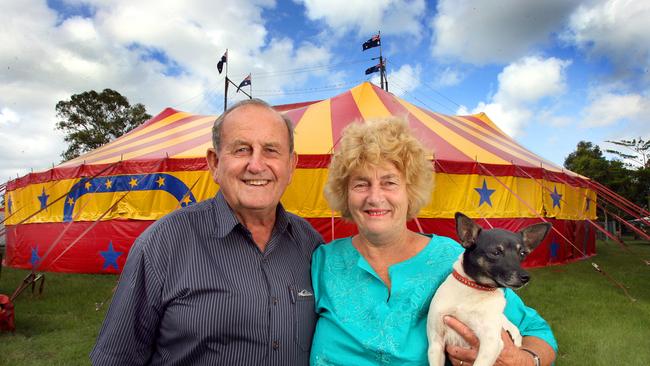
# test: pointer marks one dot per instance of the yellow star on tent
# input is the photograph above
(161, 181)
(186, 199)
(133, 182)
(88, 185)
(70, 201)
(109, 184)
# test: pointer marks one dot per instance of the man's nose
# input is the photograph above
(255, 162)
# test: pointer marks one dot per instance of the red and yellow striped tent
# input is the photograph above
(83, 215)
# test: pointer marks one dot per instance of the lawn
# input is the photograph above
(594, 321)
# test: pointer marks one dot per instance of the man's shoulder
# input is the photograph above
(181, 221)
(303, 231)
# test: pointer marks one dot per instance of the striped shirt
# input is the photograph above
(196, 290)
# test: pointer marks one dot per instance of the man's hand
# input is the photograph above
(510, 355)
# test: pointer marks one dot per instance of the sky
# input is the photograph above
(549, 73)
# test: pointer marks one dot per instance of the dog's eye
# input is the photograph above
(523, 253)
(497, 252)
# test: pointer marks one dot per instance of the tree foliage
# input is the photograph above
(633, 184)
(640, 152)
(92, 119)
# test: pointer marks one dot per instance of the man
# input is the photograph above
(225, 281)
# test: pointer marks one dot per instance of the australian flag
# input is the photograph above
(246, 81)
(223, 60)
(372, 42)
(373, 69)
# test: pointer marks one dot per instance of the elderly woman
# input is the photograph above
(373, 289)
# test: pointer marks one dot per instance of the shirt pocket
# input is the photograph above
(304, 316)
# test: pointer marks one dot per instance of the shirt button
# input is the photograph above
(275, 300)
(265, 261)
(276, 344)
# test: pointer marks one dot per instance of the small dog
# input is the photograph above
(473, 294)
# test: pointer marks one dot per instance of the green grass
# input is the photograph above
(594, 321)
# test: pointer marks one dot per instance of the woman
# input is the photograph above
(373, 289)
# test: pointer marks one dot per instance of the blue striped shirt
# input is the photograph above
(197, 290)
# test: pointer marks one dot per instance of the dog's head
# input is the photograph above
(493, 257)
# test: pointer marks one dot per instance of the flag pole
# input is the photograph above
(381, 62)
(225, 86)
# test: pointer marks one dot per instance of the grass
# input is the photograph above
(594, 321)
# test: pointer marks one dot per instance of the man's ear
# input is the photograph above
(467, 230)
(294, 165)
(213, 162)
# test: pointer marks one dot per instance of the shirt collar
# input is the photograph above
(226, 221)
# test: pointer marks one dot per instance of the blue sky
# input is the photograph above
(550, 73)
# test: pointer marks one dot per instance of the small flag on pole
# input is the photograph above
(373, 69)
(223, 60)
(372, 42)
(246, 81)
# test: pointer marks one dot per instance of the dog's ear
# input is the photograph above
(467, 230)
(534, 234)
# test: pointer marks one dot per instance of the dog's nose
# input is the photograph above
(524, 277)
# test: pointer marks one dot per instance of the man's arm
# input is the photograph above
(130, 328)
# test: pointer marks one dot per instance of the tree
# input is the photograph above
(588, 160)
(640, 149)
(92, 119)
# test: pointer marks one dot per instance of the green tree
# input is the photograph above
(640, 152)
(92, 119)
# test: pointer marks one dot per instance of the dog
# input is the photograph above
(473, 293)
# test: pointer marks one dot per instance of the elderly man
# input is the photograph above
(225, 281)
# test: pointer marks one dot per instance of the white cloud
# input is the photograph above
(609, 108)
(449, 77)
(159, 53)
(530, 79)
(482, 32)
(522, 85)
(402, 81)
(390, 16)
(618, 30)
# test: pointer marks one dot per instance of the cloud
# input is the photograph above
(481, 32)
(522, 85)
(617, 30)
(449, 77)
(157, 53)
(395, 17)
(608, 108)
(402, 81)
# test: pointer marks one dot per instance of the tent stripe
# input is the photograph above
(314, 122)
(344, 110)
(164, 140)
(132, 135)
(484, 141)
(296, 114)
(368, 102)
(441, 147)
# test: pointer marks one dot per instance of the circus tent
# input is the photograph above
(83, 215)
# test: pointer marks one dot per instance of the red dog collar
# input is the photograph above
(467, 282)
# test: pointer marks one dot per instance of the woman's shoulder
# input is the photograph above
(444, 247)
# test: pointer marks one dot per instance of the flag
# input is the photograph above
(372, 42)
(246, 81)
(372, 69)
(223, 60)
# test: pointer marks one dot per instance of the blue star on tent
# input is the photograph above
(554, 249)
(110, 257)
(556, 197)
(43, 198)
(35, 257)
(485, 194)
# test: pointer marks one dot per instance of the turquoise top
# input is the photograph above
(361, 322)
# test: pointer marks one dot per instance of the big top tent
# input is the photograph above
(83, 215)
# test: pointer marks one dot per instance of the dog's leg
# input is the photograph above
(436, 353)
(490, 347)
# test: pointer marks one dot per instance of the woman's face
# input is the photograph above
(378, 201)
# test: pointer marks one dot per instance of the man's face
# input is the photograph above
(254, 165)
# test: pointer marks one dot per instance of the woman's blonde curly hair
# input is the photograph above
(376, 142)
